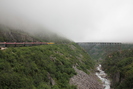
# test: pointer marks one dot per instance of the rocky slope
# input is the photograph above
(8, 34)
(85, 81)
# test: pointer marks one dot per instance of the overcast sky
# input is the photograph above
(78, 20)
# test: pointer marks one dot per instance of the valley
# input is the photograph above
(62, 64)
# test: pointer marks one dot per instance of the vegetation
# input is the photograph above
(100, 51)
(42, 67)
(119, 65)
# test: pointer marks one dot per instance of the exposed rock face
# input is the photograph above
(3, 48)
(52, 82)
(9, 35)
(115, 79)
(85, 81)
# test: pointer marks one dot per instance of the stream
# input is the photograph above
(102, 75)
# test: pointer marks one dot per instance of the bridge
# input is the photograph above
(98, 50)
(101, 43)
(15, 44)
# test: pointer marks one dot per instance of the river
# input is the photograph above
(102, 75)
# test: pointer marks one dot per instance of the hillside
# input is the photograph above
(8, 34)
(41, 67)
(46, 66)
(119, 66)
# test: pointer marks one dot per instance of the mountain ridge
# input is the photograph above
(8, 34)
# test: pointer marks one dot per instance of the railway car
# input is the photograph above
(50, 43)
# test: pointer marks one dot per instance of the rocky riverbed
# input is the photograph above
(85, 81)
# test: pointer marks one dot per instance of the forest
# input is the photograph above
(42, 67)
(119, 66)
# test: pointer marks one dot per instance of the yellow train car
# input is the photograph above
(50, 43)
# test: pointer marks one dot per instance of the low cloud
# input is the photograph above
(78, 20)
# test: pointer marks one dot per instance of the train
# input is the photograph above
(15, 44)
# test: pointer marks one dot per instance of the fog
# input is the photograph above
(78, 20)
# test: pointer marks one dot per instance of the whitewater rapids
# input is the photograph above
(102, 76)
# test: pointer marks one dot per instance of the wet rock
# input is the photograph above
(97, 71)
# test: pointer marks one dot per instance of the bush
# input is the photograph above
(34, 67)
